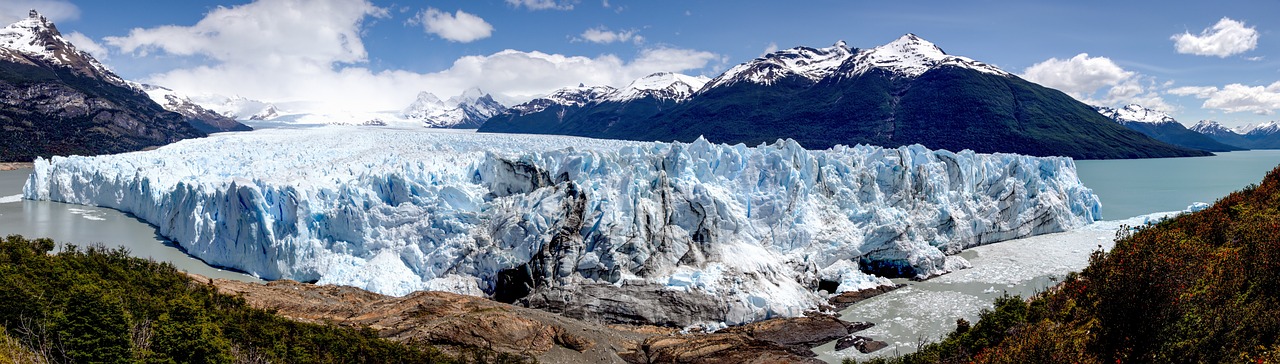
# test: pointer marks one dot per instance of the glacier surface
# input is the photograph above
(754, 230)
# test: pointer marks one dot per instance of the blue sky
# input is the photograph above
(353, 54)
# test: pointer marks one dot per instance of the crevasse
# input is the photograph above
(395, 211)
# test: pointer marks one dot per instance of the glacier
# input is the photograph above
(739, 233)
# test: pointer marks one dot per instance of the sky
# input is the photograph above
(1196, 60)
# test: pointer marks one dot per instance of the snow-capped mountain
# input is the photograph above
(58, 100)
(36, 38)
(644, 232)
(663, 85)
(1162, 127)
(1136, 113)
(907, 56)
(1264, 129)
(1210, 127)
(905, 92)
(1261, 136)
(204, 119)
(465, 111)
(566, 97)
(812, 64)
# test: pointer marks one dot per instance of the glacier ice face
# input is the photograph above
(754, 230)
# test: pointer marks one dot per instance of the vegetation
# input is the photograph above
(100, 305)
(1199, 288)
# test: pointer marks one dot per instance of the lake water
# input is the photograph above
(1130, 190)
(84, 225)
(1132, 187)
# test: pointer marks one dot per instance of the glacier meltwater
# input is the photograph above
(666, 233)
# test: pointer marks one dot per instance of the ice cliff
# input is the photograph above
(667, 233)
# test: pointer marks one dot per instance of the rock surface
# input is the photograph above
(455, 322)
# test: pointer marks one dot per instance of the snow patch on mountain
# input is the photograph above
(1136, 113)
(751, 229)
(581, 95)
(663, 86)
(1210, 127)
(37, 37)
(1263, 129)
(908, 56)
(912, 56)
(810, 63)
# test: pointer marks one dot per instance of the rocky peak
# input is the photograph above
(468, 110)
(910, 56)
(1136, 113)
(37, 41)
(661, 85)
(1211, 127)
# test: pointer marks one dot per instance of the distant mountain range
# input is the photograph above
(906, 92)
(55, 99)
(1163, 127)
(1260, 136)
(465, 111)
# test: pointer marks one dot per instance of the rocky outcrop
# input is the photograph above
(864, 344)
(457, 322)
(201, 118)
(56, 100)
(846, 299)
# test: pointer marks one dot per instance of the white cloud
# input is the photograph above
(542, 4)
(1225, 38)
(1079, 76)
(772, 47)
(1198, 91)
(56, 10)
(1262, 100)
(84, 43)
(603, 35)
(314, 56)
(1096, 81)
(309, 34)
(460, 27)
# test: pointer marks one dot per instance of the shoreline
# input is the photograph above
(10, 166)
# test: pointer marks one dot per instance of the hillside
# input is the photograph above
(56, 100)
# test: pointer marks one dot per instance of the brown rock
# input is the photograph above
(846, 299)
(864, 344)
(803, 332)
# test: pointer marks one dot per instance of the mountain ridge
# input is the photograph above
(1162, 127)
(890, 95)
(57, 100)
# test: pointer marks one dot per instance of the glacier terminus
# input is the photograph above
(644, 232)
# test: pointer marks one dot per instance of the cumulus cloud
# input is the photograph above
(311, 34)
(1262, 100)
(1096, 81)
(84, 43)
(1078, 76)
(542, 4)
(312, 55)
(459, 27)
(1227, 37)
(772, 47)
(603, 35)
(56, 10)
